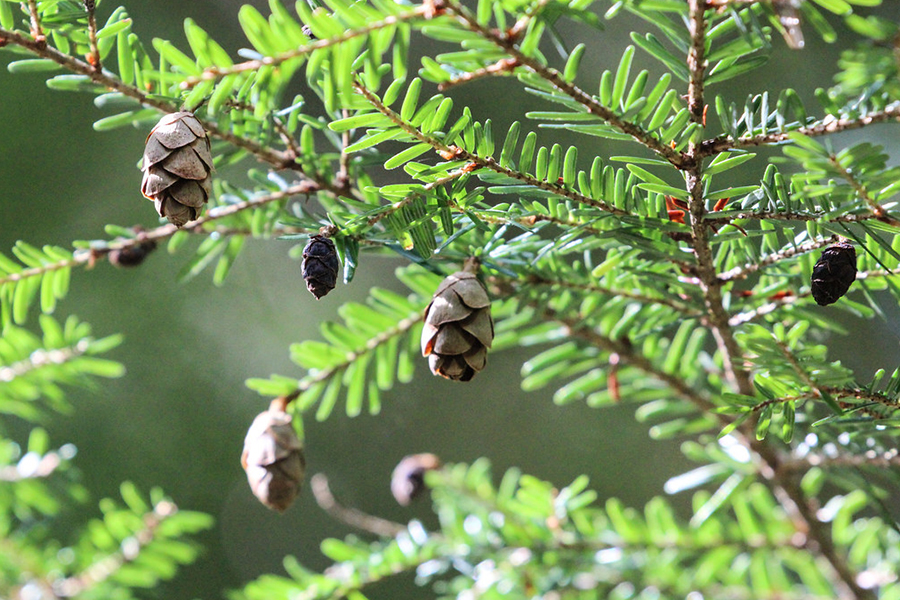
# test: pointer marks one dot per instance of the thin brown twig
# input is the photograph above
(319, 376)
(885, 460)
(35, 21)
(344, 161)
(765, 309)
(877, 210)
(804, 376)
(42, 358)
(94, 56)
(874, 273)
(98, 249)
(724, 3)
(289, 142)
(789, 216)
(770, 259)
(824, 127)
(522, 24)
(502, 67)
(864, 395)
(350, 516)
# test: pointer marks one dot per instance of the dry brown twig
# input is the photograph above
(350, 516)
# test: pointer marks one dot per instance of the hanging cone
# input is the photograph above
(833, 274)
(458, 328)
(273, 459)
(320, 265)
(408, 478)
(177, 167)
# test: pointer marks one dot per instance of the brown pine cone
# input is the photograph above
(408, 478)
(458, 328)
(273, 459)
(177, 167)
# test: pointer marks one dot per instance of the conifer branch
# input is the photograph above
(276, 158)
(859, 187)
(785, 488)
(42, 358)
(771, 259)
(99, 572)
(864, 395)
(710, 284)
(532, 219)
(765, 309)
(884, 460)
(214, 73)
(102, 248)
(78, 259)
(802, 374)
(307, 382)
(505, 66)
(539, 280)
(817, 533)
(629, 356)
(507, 43)
(399, 204)
(696, 292)
(790, 216)
(826, 126)
(477, 161)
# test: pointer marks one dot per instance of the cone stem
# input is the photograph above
(472, 265)
(279, 404)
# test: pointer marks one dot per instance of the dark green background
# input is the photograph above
(178, 418)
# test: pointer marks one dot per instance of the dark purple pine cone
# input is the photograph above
(320, 265)
(833, 274)
(131, 256)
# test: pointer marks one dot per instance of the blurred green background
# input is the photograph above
(178, 418)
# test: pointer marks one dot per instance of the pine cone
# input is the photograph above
(320, 265)
(833, 273)
(458, 328)
(131, 256)
(177, 166)
(273, 459)
(408, 478)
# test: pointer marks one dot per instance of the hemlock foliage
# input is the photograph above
(654, 278)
